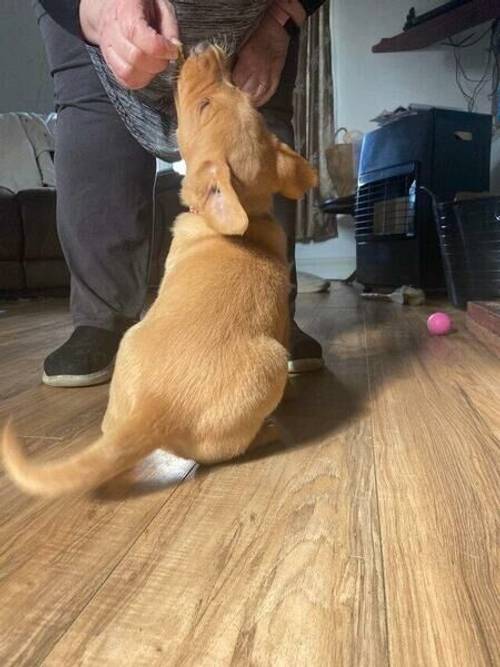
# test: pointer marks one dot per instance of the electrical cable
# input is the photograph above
(491, 70)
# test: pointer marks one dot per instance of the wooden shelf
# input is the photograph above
(483, 320)
(462, 18)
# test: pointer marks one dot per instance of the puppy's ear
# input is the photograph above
(295, 175)
(207, 189)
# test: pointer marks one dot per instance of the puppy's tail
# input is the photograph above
(110, 455)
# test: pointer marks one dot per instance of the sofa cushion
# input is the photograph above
(46, 274)
(11, 233)
(11, 276)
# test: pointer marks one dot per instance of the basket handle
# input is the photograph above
(341, 129)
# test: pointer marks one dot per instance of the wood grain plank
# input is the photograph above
(29, 331)
(22, 368)
(485, 336)
(18, 317)
(270, 561)
(438, 489)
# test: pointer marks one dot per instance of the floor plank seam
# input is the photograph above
(377, 503)
(130, 546)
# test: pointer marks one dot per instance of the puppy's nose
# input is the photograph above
(200, 48)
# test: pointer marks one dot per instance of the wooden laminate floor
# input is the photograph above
(368, 538)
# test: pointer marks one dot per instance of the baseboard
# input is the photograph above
(334, 268)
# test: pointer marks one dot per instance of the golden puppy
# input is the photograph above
(206, 366)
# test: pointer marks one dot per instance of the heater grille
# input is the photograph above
(386, 207)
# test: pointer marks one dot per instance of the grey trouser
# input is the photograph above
(105, 183)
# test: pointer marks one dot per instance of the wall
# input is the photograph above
(25, 83)
(367, 83)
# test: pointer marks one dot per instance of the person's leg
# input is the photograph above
(305, 352)
(105, 182)
(278, 113)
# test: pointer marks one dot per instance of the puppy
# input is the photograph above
(208, 363)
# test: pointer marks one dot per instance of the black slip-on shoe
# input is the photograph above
(306, 354)
(85, 359)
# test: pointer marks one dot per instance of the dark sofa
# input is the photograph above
(31, 259)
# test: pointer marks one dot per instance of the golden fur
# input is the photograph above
(200, 374)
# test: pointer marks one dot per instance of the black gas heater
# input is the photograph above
(442, 150)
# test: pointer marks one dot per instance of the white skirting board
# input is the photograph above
(334, 268)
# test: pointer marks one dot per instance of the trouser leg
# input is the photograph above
(105, 182)
(278, 113)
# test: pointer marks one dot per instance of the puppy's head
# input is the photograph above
(234, 164)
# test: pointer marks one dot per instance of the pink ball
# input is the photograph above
(439, 324)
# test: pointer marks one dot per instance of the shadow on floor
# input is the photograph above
(316, 405)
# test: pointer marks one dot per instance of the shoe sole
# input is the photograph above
(295, 367)
(298, 366)
(89, 380)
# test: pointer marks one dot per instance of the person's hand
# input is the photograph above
(137, 38)
(260, 61)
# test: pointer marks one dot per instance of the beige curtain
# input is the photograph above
(314, 123)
